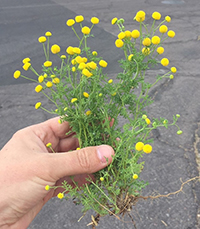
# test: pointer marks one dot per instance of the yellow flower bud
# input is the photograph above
(79, 18)
(135, 176)
(26, 66)
(156, 16)
(38, 105)
(164, 62)
(135, 33)
(38, 88)
(55, 49)
(70, 22)
(139, 146)
(119, 43)
(47, 64)
(16, 74)
(95, 20)
(42, 39)
(147, 148)
(103, 63)
(85, 30)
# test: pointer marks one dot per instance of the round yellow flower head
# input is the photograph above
(49, 84)
(60, 195)
(135, 33)
(85, 30)
(167, 18)
(147, 148)
(92, 65)
(73, 69)
(121, 35)
(48, 34)
(55, 49)
(139, 146)
(38, 105)
(84, 59)
(74, 100)
(63, 57)
(179, 132)
(144, 116)
(146, 51)
(47, 64)
(25, 60)
(100, 94)
(47, 187)
(101, 178)
(148, 121)
(140, 16)
(88, 113)
(160, 50)
(16, 74)
(70, 22)
(171, 33)
(171, 77)
(82, 66)
(56, 80)
(94, 53)
(59, 121)
(45, 75)
(38, 88)
(70, 51)
(76, 50)
(114, 93)
(135, 176)
(42, 39)
(163, 29)
(79, 59)
(78, 148)
(95, 20)
(79, 18)
(155, 40)
(119, 43)
(103, 63)
(85, 94)
(164, 62)
(173, 69)
(146, 41)
(156, 16)
(26, 66)
(40, 79)
(48, 145)
(86, 72)
(130, 57)
(110, 81)
(128, 34)
(114, 20)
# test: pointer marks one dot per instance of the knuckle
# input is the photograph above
(83, 159)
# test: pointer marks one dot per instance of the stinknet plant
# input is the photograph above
(83, 95)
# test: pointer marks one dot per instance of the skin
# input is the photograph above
(27, 166)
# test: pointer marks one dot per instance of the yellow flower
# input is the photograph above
(100, 94)
(168, 18)
(146, 41)
(114, 20)
(171, 33)
(60, 195)
(148, 121)
(42, 39)
(59, 121)
(81, 66)
(48, 34)
(63, 57)
(85, 30)
(70, 22)
(25, 60)
(101, 178)
(70, 51)
(164, 62)
(114, 93)
(55, 49)
(53, 76)
(16, 74)
(56, 80)
(40, 79)
(74, 100)
(156, 16)
(73, 69)
(135, 33)
(135, 176)
(147, 148)
(48, 145)
(146, 51)
(171, 77)
(95, 20)
(85, 94)
(155, 40)
(130, 57)
(144, 116)
(86, 72)
(49, 84)
(110, 81)
(76, 50)
(119, 43)
(160, 50)
(47, 187)
(79, 18)
(103, 63)
(88, 113)
(121, 35)
(84, 59)
(139, 146)
(140, 16)
(38, 88)
(163, 29)
(128, 33)
(26, 66)
(79, 59)
(47, 63)
(45, 75)
(65, 108)
(92, 65)
(78, 148)
(173, 69)
(94, 53)
(179, 132)
(38, 105)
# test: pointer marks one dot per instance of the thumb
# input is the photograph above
(84, 161)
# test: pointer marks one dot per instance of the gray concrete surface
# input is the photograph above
(174, 157)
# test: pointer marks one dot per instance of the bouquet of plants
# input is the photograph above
(94, 105)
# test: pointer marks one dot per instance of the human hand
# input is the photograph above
(27, 167)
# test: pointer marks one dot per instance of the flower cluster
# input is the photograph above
(93, 104)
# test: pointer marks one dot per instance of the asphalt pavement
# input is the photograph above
(174, 157)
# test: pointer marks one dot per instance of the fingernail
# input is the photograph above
(104, 153)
